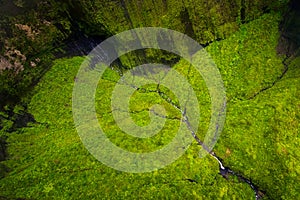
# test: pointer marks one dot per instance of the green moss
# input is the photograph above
(49, 161)
(260, 139)
(241, 57)
(261, 134)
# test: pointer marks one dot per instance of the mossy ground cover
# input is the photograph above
(260, 137)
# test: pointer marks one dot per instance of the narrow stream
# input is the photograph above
(223, 170)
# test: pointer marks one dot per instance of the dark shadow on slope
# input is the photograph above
(289, 41)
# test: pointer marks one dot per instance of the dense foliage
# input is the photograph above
(260, 139)
(31, 32)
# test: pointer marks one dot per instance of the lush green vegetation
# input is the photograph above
(265, 126)
(33, 31)
(260, 138)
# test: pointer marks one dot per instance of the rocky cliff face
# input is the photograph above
(203, 20)
(31, 32)
(289, 41)
(28, 34)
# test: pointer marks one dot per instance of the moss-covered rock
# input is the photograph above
(31, 30)
(28, 40)
(260, 139)
(204, 21)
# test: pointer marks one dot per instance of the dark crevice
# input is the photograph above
(191, 180)
(208, 43)
(266, 10)
(185, 19)
(126, 13)
(9, 198)
(276, 81)
(3, 145)
(289, 41)
(224, 171)
(78, 45)
(165, 4)
(145, 110)
(78, 170)
(243, 12)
